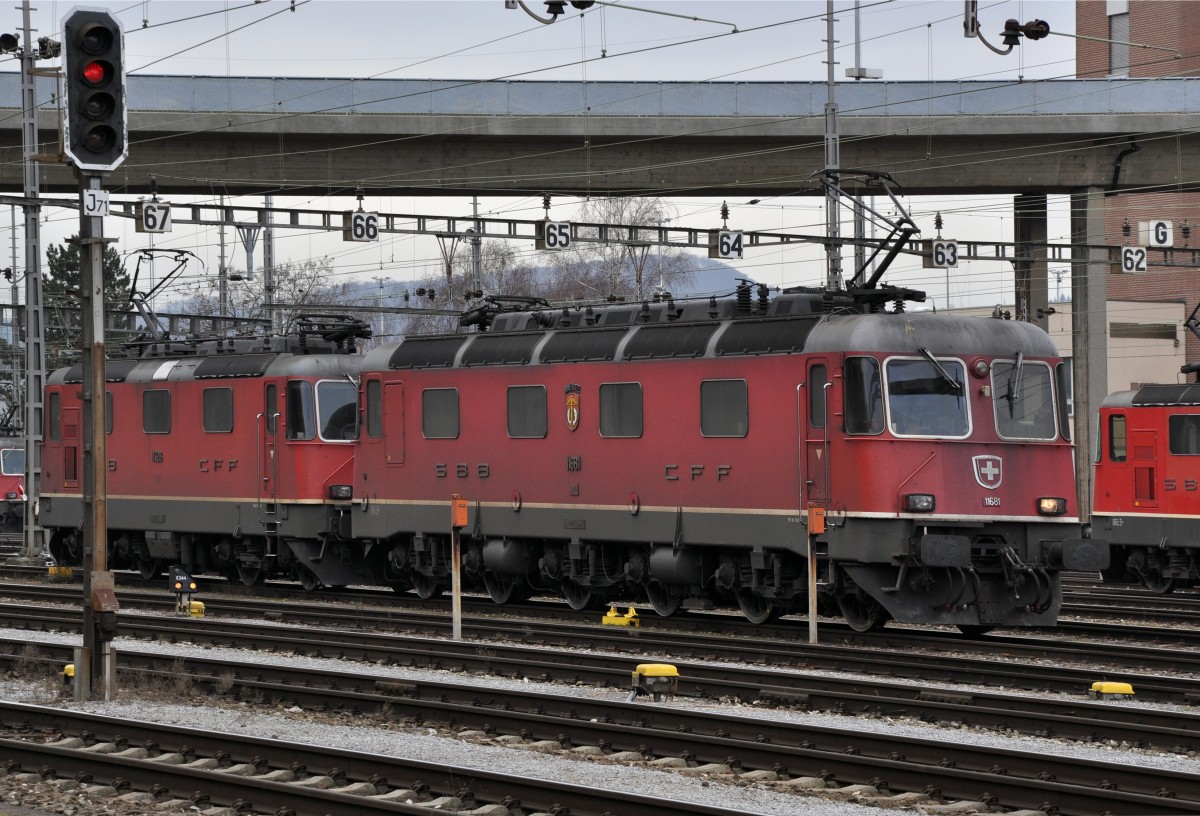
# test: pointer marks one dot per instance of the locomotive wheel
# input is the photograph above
(505, 589)
(580, 598)
(862, 615)
(425, 586)
(661, 600)
(148, 567)
(308, 578)
(757, 609)
(67, 548)
(1156, 582)
(254, 576)
(974, 629)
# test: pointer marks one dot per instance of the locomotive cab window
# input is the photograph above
(864, 396)
(156, 412)
(621, 410)
(218, 410)
(301, 410)
(1116, 438)
(817, 377)
(527, 412)
(724, 408)
(12, 462)
(927, 397)
(439, 413)
(1184, 433)
(1023, 400)
(108, 411)
(374, 409)
(337, 410)
(53, 413)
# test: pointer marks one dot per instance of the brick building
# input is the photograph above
(1169, 26)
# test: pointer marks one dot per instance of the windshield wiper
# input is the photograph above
(955, 384)
(1014, 384)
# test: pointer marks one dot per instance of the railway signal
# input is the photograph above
(94, 68)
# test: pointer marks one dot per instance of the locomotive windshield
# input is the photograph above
(337, 409)
(1023, 400)
(12, 461)
(927, 398)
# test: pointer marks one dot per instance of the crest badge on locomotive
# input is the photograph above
(989, 470)
(572, 392)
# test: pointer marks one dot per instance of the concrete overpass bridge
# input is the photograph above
(240, 136)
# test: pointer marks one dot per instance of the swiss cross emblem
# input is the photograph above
(572, 407)
(989, 470)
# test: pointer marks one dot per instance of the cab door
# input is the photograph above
(268, 461)
(1142, 444)
(814, 420)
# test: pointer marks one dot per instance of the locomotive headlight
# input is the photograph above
(919, 503)
(1050, 506)
(341, 492)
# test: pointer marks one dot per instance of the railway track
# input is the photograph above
(847, 754)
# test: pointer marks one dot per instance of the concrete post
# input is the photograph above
(1031, 274)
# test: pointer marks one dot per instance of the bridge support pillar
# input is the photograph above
(1089, 329)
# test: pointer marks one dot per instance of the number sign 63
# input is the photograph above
(945, 254)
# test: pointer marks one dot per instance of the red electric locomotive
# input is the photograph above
(220, 452)
(12, 486)
(1146, 499)
(672, 451)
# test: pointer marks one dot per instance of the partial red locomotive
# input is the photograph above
(661, 450)
(12, 486)
(1146, 499)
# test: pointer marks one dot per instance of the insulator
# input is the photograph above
(1125, 228)
(712, 308)
(724, 211)
(937, 221)
(743, 297)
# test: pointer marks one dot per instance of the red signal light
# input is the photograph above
(94, 73)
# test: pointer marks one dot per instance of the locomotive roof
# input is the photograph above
(789, 324)
(218, 367)
(1155, 395)
(908, 332)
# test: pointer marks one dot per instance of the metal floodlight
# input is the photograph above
(9, 43)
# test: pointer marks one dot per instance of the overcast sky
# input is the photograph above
(481, 39)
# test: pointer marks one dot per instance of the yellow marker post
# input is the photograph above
(458, 520)
(816, 527)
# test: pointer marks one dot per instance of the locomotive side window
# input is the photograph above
(108, 412)
(439, 413)
(337, 409)
(817, 377)
(156, 411)
(1116, 437)
(1062, 379)
(1023, 400)
(271, 409)
(53, 412)
(1184, 432)
(927, 398)
(12, 461)
(621, 410)
(864, 396)
(218, 410)
(724, 408)
(374, 409)
(301, 410)
(527, 412)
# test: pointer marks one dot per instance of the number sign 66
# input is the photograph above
(364, 226)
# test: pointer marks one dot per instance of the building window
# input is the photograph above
(156, 412)
(1118, 47)
(621, 409)
(527, 412)
(439, 413)
(724, 408)
(218, 410)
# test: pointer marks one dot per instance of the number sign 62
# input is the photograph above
(1133, 259)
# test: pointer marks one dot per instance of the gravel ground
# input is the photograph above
(427, 744)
